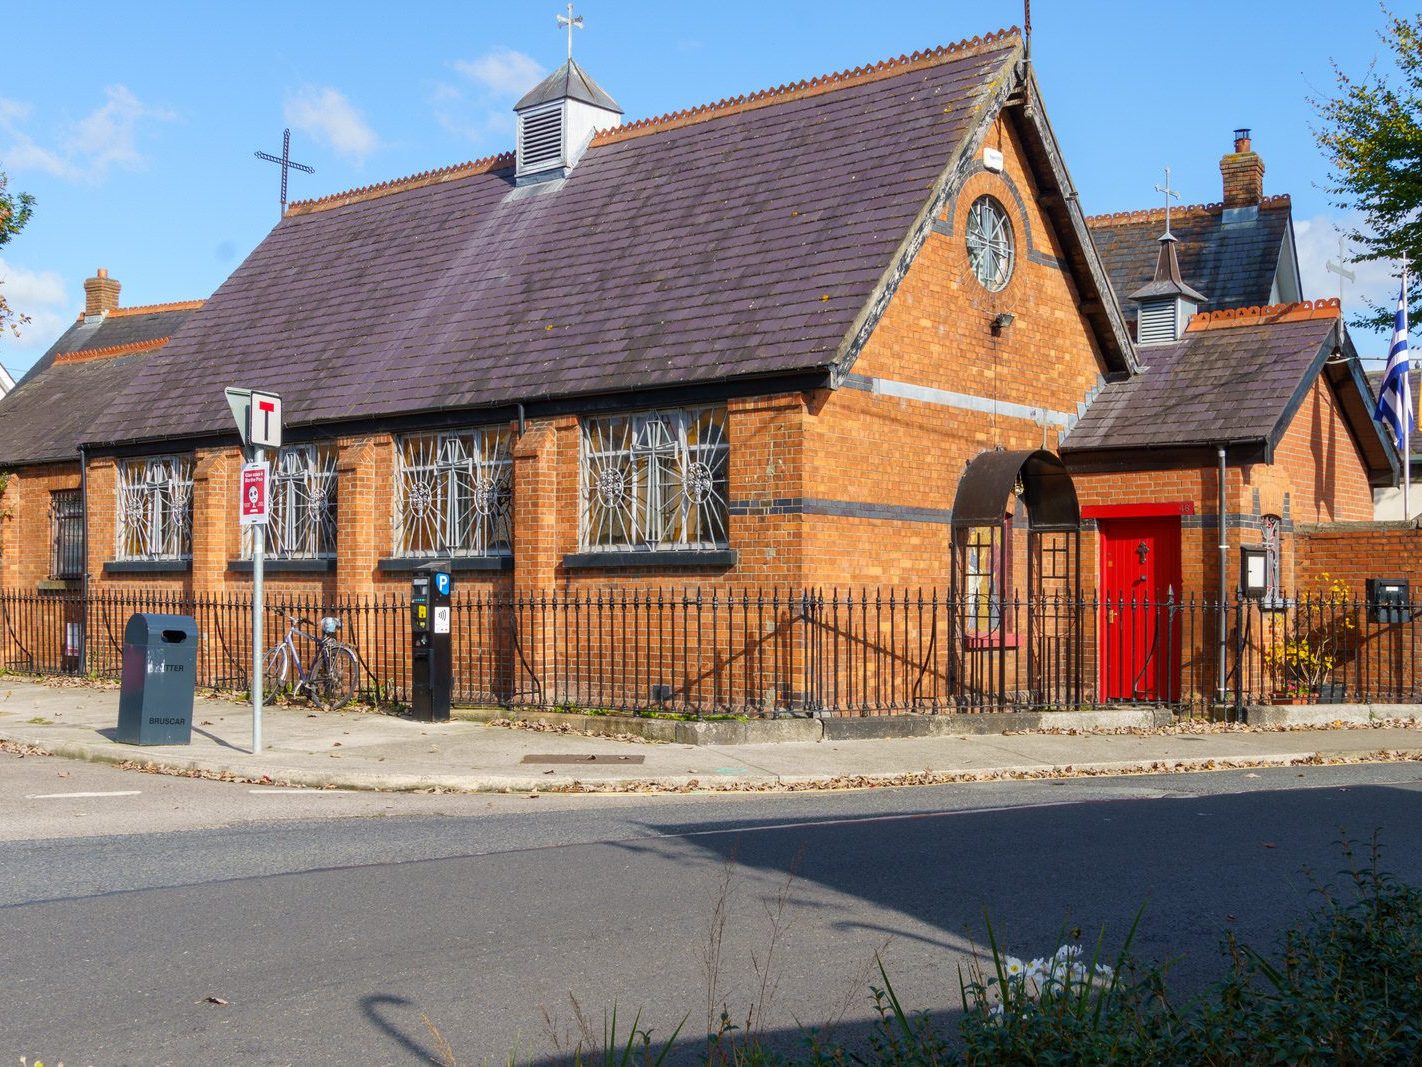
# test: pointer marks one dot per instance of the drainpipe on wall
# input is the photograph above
(1223, 625)
(84, 556)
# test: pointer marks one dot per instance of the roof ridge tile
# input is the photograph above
(822, 83)
(1117, 218)
(155, 309)
(1299, 311)
(453, 172)
(84, 355)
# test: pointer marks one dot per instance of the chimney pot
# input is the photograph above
(101, 294)
(1242, 172)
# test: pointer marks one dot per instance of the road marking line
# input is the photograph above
(62, 796)
(303, 792)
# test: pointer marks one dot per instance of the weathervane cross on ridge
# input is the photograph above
(285, 162)
(571, 21)
(1169, 192)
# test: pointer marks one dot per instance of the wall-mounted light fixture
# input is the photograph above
(1003, 322)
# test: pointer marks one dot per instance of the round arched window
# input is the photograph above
(989, 240)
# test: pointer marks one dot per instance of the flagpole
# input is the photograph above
(1407, 415)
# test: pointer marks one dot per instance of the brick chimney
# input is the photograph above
(1243, 173)
(101, 294)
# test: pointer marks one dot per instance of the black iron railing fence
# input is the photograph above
(782, 651)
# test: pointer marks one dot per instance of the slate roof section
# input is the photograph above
(125, 326)
(1232, 264)
(1213, 386)
(742, 243)
(568, 82)
(47, 416)
(55, 405)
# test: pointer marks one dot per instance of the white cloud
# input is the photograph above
(502, 71)
(41, 295)
(480, 114)
(1377, 281)
(328, 116)
(85, 150)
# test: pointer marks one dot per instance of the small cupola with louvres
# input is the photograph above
(1165, 302)
(557, 120)
(1164, 306)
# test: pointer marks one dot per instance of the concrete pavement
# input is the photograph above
(364, 750)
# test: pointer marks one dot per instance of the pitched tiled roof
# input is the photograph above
(122, 326)
(1232, 264)
(55, 405)
(1215, 385)
(743, 240)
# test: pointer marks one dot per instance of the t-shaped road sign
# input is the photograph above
(258, 416)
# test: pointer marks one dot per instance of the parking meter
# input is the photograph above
(432, 665)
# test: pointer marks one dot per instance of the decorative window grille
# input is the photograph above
(990, 243)
(155, 508)
(454, 493)
(66, 519)
(303, 505)
(656, 480)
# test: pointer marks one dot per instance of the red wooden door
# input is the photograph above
(1140, 634)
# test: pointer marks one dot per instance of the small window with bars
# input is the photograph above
(987, 578)
(155, 508)
(66, 541)
(454, 493)
(302, 523)
(656, 480)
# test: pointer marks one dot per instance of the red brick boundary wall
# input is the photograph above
(1356, 551)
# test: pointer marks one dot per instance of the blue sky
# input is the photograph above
(134, 124)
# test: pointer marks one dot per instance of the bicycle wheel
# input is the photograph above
(335, 676)
(276, 674)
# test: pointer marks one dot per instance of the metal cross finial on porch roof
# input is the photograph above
(1344, 274)
(1169, 192)
(286, 163)
(570, 21)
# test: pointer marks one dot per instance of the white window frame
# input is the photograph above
(454, 493)
(154, 516)
(655, 481)
(303, 505)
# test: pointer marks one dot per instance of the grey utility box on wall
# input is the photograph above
(159, 668)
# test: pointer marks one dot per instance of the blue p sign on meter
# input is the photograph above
(442, 583)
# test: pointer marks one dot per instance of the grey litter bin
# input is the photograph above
(159, 666)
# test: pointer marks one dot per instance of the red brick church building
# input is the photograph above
(854, 332)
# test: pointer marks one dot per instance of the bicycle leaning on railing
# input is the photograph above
(330, 677)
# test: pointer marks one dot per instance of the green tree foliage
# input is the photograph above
(15, 211)
(1371, 132)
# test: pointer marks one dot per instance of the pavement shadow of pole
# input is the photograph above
(374, 1008)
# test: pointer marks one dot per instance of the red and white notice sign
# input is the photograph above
(256, 498)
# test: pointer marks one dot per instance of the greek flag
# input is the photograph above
(1395, 396)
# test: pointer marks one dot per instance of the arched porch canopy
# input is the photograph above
(987, 485)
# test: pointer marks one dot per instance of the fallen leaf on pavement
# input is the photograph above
(214, 1000)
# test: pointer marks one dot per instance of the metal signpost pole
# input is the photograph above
(259, 550)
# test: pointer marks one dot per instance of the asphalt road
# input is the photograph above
(330, 924)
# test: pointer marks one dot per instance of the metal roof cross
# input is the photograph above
(1169, 192)
(286, 163)
(1344, 274)
(570, 21)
